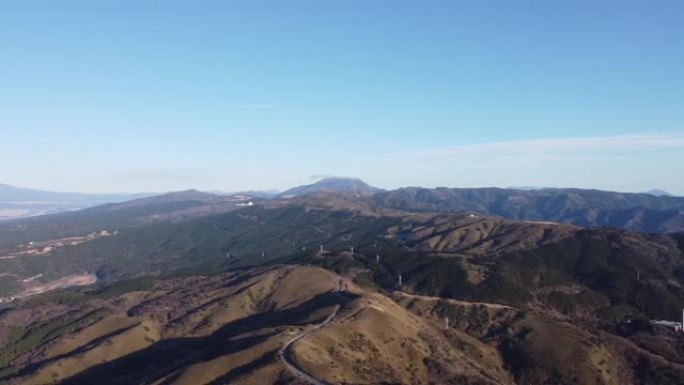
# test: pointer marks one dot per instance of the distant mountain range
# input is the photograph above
(655, 211)
(111, 294)
(654, 192)
(17, 202)
(587, 208)
(18, 194)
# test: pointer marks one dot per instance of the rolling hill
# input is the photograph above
(643, 212)
(587, 208)
(166, 208)
(461, 256)
(297, 324)
(232, 282)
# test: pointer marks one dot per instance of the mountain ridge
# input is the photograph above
(332, 184)
(583, 207)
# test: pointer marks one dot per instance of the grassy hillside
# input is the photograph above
(213, 287)
(599, 276)
(250, 236)
(456, 256)
(166, 208)
(231, 328)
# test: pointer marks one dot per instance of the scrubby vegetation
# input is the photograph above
(22, 339)
(598, 279)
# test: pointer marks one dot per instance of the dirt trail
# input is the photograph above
(286, 352)
(454, 301)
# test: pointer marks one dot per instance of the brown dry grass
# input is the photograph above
(398, 338)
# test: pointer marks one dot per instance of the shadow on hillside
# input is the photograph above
(239, 371)
(167, 356)
(33, 367)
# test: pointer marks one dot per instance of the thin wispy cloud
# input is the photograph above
(321, 176)
(255, 106)
(558, 149)
(633, 162)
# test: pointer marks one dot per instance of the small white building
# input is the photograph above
(676, 326)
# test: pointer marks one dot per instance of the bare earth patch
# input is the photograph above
(62, 283)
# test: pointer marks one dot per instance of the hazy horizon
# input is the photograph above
(313, 180)
(131, 96)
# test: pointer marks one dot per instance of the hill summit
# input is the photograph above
(335, 184)
(658, 193)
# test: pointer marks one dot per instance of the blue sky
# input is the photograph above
(230, 95)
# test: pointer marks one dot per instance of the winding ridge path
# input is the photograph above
(450, 300)
(286, 352)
